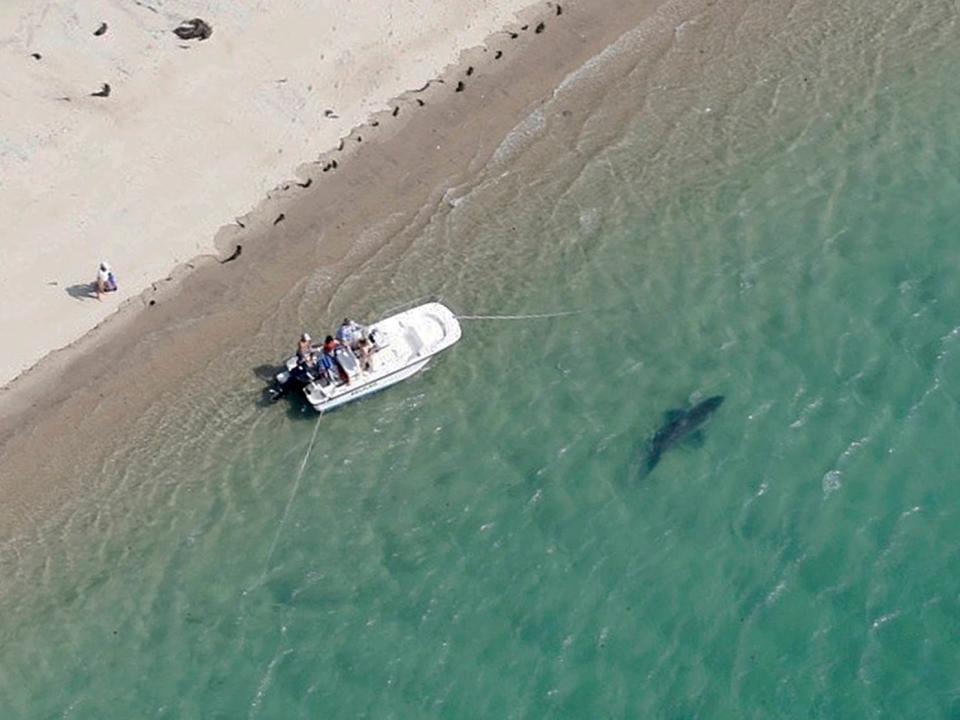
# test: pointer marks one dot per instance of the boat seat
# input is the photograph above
(413, 337)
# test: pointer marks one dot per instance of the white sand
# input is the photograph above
(188, 139)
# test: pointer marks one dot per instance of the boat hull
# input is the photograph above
(324, 404)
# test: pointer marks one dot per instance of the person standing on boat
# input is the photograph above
(350, 333)
(364, 352)
(304, 349)
(330, 364)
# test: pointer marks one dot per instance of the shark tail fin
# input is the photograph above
(652, 459)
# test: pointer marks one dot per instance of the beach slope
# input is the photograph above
(122, 140)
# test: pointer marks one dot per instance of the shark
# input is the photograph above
(680, 425)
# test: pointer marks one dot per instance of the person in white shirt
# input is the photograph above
(106, 281)
(350, 333)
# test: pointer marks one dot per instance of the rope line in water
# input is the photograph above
(286, 510)
(536, 316)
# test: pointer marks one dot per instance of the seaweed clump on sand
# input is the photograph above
(194, 29)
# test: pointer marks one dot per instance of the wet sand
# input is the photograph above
(131, 132)
(68, 412)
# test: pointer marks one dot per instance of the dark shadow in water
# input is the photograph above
(83, 291)
(295, 403)
(298, 408)
(266, 372)
(264, 399)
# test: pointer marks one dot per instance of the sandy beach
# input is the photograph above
(383, 176)
(121, 140)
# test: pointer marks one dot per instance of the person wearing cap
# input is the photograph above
(106, 281)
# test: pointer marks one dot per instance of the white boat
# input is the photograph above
(401, 346)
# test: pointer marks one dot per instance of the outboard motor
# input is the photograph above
(277, 390)
(289, 380)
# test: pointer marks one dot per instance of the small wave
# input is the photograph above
(760, 411)
(853, 447)
(454, 197)
(832, 479)
(518, 139)
(884, 619)
(805, 414)
(680, 30)
(675, 12)
(590, 220)
(831, 482)
(775, 594)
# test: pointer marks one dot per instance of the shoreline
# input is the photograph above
(184, 135)
(77, 396)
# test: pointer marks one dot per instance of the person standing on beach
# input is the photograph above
(106, 281)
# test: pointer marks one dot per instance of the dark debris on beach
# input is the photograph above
(193, 29)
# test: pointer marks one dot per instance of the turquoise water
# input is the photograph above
(478, 542)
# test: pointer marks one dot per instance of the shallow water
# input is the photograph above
(772, 220)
